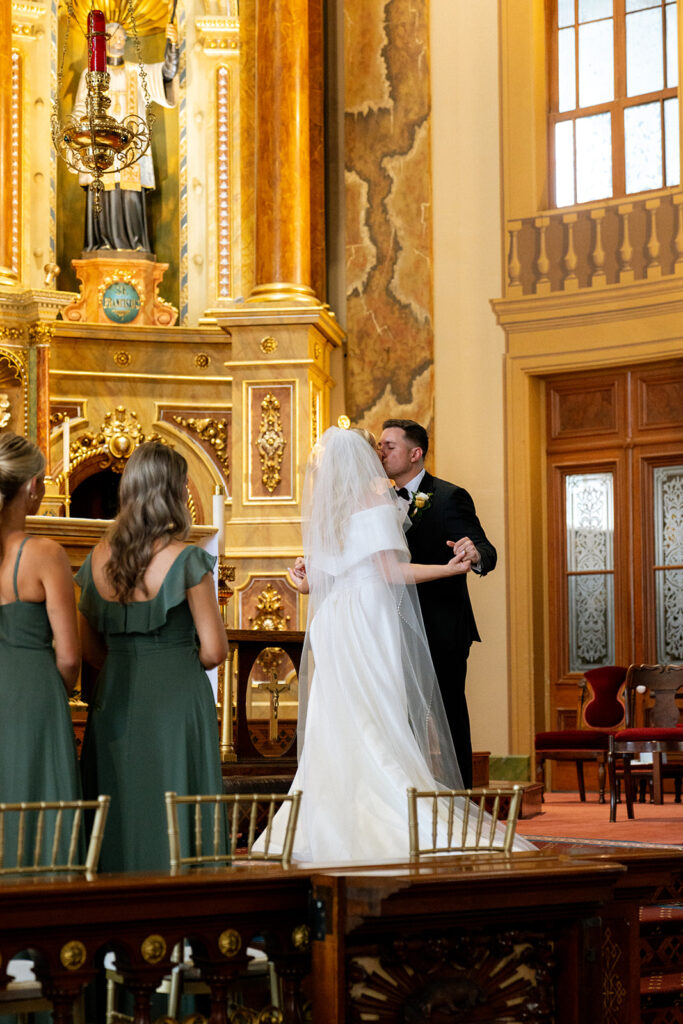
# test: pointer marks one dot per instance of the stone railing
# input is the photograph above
(614, 242)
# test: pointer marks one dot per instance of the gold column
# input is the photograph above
(283, 161)
(7, 276)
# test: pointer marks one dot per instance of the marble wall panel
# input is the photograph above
(389, 260)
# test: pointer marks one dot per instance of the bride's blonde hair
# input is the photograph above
(152, 507)
(368, 435)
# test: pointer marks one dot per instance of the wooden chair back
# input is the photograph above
(655, 688)
(467, 819)
(245, 815)
(47, 836)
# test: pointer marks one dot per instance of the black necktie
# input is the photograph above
(403, 492)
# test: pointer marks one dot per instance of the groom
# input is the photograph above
(438, 512)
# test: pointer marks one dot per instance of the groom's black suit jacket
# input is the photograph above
(446, 608)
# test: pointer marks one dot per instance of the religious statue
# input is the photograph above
(122, 220)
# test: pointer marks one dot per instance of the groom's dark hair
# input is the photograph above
(414, 431)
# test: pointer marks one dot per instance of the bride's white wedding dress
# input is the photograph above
(360, 753)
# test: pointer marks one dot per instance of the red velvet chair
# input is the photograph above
(599, 716)
(662, 732)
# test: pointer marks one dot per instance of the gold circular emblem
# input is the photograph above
(268, 345)
(72, 954)
(229, 942)
(344, 422)
(201, 360)
(153, 949)
(301, 937)
(122, 358)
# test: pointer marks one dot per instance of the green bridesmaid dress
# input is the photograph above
(152, 723)
(38, 758)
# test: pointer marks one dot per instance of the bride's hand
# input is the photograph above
(297, 576)
(458, 563)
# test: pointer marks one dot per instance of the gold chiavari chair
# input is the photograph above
(462, 820)
(45, 837)
(240, 817)
(250, 815)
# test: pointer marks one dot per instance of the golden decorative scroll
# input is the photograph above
(271, 613)
(73, 955)
(214, 432)
(153, 949)
(271, 442)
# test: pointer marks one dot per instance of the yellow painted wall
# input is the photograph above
(469, 345)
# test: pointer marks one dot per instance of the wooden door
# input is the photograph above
(615, 527)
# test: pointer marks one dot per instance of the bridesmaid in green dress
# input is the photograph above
(39, 649)
(151, 624)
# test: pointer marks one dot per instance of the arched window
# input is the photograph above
(614, 124)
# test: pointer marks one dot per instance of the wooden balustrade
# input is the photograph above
(615, 242)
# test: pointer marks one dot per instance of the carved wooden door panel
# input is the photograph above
(615, 527)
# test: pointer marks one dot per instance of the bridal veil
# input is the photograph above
(353, 536)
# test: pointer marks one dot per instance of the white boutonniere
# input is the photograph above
(420, 503)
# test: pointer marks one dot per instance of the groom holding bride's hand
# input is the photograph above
(440, 512)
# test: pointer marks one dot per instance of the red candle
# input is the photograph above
(97, 41)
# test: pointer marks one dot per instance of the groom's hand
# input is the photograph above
(466, 548)
(459, 563)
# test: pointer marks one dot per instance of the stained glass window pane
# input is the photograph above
(671, 142)
(643, 147)
(565, 13)
(590, 556)
(591, 9)
(564, 163)
(671, 46)
(593, 157)
(596, 67)
(638, 5)
(668, 518)
(566, 55)
(644, 52)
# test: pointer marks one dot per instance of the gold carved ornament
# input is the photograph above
(271, 442)
(41, 333)
(153, 949)
(213, 432)
(268, 345)
(230, 942)
(270, 612)
(73, 955)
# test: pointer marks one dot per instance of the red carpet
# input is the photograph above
(565, 817)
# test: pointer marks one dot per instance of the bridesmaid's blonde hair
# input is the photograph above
(20, 460)
(152, 507)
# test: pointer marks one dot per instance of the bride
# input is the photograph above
(371, 718)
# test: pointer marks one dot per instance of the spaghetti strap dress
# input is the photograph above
(38, 759)
(152, 723)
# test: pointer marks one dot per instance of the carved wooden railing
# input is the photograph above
(547, 936)
(613, 242)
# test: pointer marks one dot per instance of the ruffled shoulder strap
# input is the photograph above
(191, 565)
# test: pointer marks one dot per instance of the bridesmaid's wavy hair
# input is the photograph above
(20, 460)
(152, 508)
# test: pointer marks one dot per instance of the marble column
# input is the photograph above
(283, 158)
(7, 276)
